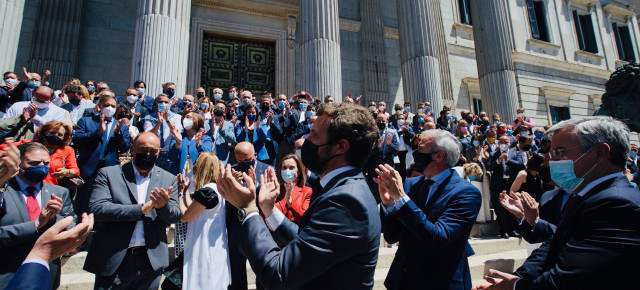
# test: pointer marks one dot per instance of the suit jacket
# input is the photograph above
(224, 142)
(30, 276)
(260, 135)
(148, 103)
(599, 238)
(386, 153)
(143, 113)
(284, 127)
(335, 246)
(18, 234)
(16, 128)
(433, 247)
(84, 105)
(114, 203)
(514, 164)
(90, 144)
(550, 208)
(187, 149)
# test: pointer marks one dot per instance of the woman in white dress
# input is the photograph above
(206, 249)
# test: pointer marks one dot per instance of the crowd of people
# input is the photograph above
(325, 180)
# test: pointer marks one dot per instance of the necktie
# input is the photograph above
(317, 189)
(423, 192)
(105, 139)
(161, 135)
(33, 207)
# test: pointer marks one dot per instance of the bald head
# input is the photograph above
(244, 152)
(146, 139)
(42, 94)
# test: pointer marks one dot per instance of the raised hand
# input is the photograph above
(512, 203)
(531, 208)
(57, 241)
(26, 73)
(160, 197)
(9, 161)
(103, 124)
(50, 210)
(29, 112)
(199, 135)
(252, 174)
(391, 181)
(233, 191)
(183, 183)
(380, 140)
(269, 191)
(389, 139)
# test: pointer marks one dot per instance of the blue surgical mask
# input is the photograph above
(91, 88)
(420, 120)
(288, 175)
(204, 106)
(217, 96)
(303, 106)
(472, 177)
(163, 107)
(509, 132)
(449, 116)
(246, 101)
(36, 173)
(476, 143)
(562, 173)
(407, 109)
(282, 104)
(310, 114)
(539, 135)
(251, 117)
(140, 91)
(33, 84)
(633, 155)
(231, 95)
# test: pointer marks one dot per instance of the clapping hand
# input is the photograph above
(103, 124)
(512, 203)
(29, 112)
(9, 161)
(49, 212)
(389, 183)
(269, 191)
(160, 197)
(233, 191)
(57, 241)
(531, 208)
(199, 135)
(503, 281)
(183, 183)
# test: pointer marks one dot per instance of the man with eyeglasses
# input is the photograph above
(31, 208)
(597, 241)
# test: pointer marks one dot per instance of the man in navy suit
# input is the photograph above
(383, 152)
(284, 126)
(246, 158)
(433, 221)
(138, 111)
(499, 182)
(100, 138)
(596, 244)
(336, 244)
(146, 100)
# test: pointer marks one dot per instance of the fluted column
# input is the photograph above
(320, 48)
(161, 48)
(419, 53)
(10, 26)
(374, 60)
(442, 52)
(55, 40)
(494, 45)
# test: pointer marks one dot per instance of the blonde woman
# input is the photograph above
(206, 247)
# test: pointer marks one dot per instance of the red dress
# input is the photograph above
(300, 199)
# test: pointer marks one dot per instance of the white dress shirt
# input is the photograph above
(176, 121)
(142, 185)
(25, 192)
(276, 218)
(52, 113)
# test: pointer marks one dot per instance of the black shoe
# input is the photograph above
(504, 236)
(513, 234)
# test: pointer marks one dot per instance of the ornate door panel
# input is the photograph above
(233, 62)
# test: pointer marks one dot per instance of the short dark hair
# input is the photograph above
(354, 124)
(30, 146)
(106, 97)
(72, 88)
(523, 139)
(139, 82)
(7, 73)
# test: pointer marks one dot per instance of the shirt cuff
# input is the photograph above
(36, 261)
(515, 283)
(522, 220)
(275, 219)
(397, 205)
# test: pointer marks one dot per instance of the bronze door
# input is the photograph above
(248, 65)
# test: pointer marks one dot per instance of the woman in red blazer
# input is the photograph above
(55, 135)
(296, 196)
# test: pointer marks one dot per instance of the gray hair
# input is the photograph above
(29, 147)
(445, 142)
(596, 130)
(217, 90)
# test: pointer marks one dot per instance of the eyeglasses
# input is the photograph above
(37, 162)
(556, 154)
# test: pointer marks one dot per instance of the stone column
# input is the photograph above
(161, 48)
(419, 53)
(494, 45)
(55, 40)
(10, 26)
(321, 73)
(374, 60)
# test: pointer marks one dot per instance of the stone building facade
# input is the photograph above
(551, 57)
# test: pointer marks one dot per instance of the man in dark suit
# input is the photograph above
(433, 221)
(284, 126)
(99, 138)
(134, 204)
(246, 158)
(383, 152)
(500, 181)
(138, 111)
(336, 244)
(30, 207)
(597, 242)
(77, 104)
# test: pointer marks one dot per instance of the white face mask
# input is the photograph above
(400, 122)
(288, 175)
(140, 91)
(420, 111)
(187, 124)
(108, 111)
(11, 81)
(132, 99)
(372, 108)
(521, 115)
(504, 147)
(40, 105)
(381, 108)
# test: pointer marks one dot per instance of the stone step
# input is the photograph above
(491, 245)
(77, 281)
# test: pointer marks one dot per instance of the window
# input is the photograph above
(477, 106)
(559, 114)
(465, 11)
(585, 32)
(623, 42)
(538, 20)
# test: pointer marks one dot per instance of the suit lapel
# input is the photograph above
(349, 174)
(13, 191)
(45, 195)
(130, 180)
(154, 179)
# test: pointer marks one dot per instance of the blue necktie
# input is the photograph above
(105, 139)
(161, 135)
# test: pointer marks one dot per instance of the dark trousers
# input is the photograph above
(402, 166)
(505, 219)
(135, 272)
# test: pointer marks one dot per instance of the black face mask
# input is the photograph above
(53, 139)
(545, 174)
(122, 116)
(229, 115)
(265, 108)
(382, 125)
(485, 123)
(218, 112)
(422, 160)
(245, 166)
(310, 158)
(145, 161)
(469, 120)
(75, 102)
(526, 147)
(200, 95)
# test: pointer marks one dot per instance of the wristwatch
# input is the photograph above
(244, 212)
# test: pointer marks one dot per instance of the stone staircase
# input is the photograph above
(491, 253)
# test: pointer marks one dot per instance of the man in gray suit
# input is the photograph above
(134, 204)
(29, 208)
